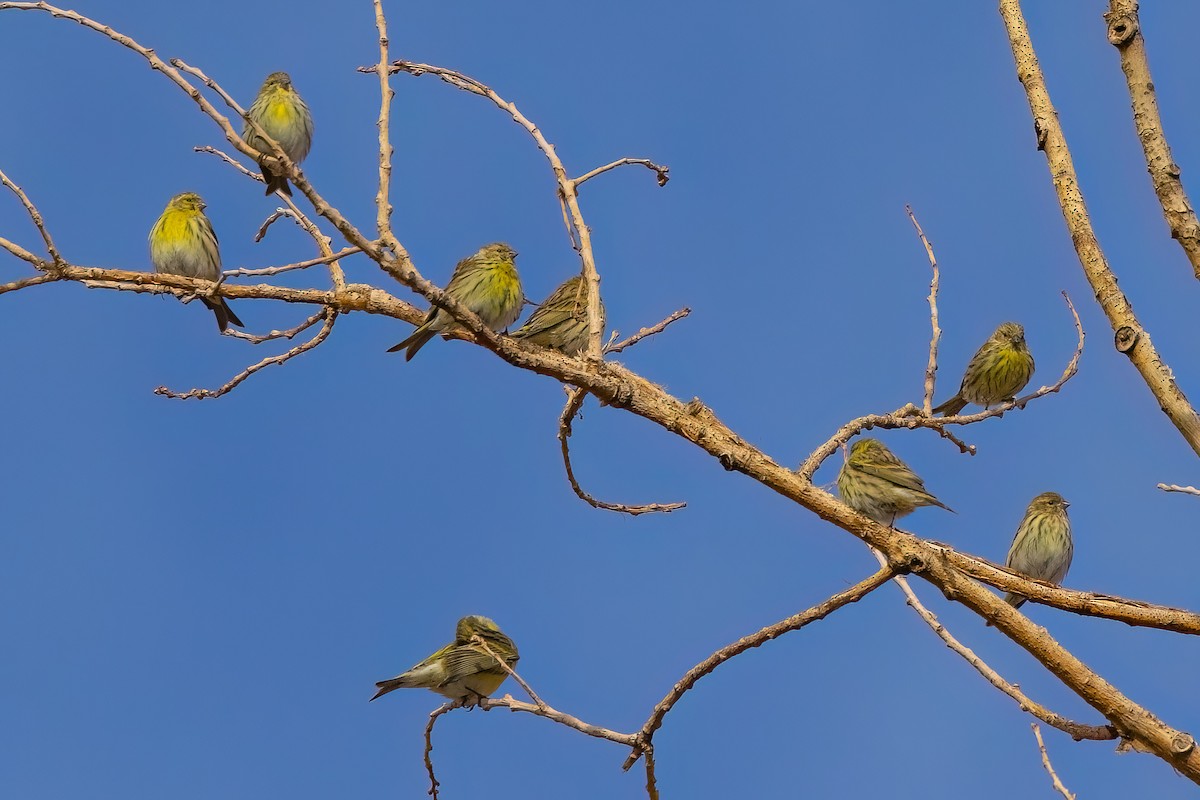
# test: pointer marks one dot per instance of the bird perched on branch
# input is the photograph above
(487, 283)
(283, 115)
(561, 321)
(874, 482)
(1000, 368)
(182, 242)
(462, 670)
(1042, 547)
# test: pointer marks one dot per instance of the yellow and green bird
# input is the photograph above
(875, 482)
(462, 670)
(487, 283)
(183, 242)
(561, 322)
(1000, 368)
(283, 115)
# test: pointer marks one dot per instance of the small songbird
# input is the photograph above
(561, 321)
(487, 283)
(280, 112)
(1000, 368)
(874, 482)
(182, 242)
(462, 670)
(1042, 548)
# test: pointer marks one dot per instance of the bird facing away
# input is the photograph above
(487, 283)
(462, 670)
(1042, 548)
(874, 482)
(182, 242)
(999, 369)
(279, 110)
(561, 322)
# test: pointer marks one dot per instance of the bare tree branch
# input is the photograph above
(931, 368)
(383, 206)
(1076, 730)
(273, 335)
(1131, 338)
(1058, 785)
(793, 623)
(1125, 33)
(644, 332)
(662, 171)
(575, 398)
(34, 215)
(1171, 487)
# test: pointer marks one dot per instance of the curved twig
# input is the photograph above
(575, 398)
(661, 170)
(273, 335)
(793, 623)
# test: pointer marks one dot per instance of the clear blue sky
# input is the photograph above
(196, 598)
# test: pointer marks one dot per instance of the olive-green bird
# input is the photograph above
(1042, 548)
(874, 482)
(561, 322)
(1000, 368)
(280, 112)
(487, 283)
(462, 670)
(182, 242)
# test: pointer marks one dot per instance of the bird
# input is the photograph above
(1042, 547)
(283, 115)
(487, 283)
(874, 482)
(561, 321)
(1000, 368)
(182, 242)
(462, 670)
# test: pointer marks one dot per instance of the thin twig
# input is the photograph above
(554, 715)
(575, 397)
(932, 366)
(1131, 338)
(231, 161)
(275, 215)
(1125, 33)
(793, 623)
(383, 206)
(644, 332)
(21, 284)
(34, 215)
(204, 394)
(661, 170)
(1058, 785)
(911, 417)
(477, 639)
(288, 334)
(1076, 730)
(433, 717)
(1171, 487)
(20, 252)
(312, 262)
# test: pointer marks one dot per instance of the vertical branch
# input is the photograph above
(1125, 33)
(1131, 338)
(931, 367)
(383, 206)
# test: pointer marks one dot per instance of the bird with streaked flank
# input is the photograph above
(1042, 547)
(1000, 368)
(183, 242)
(876, 483)
(462, 670)
(487, 283)
(283, 115)
(561, 321)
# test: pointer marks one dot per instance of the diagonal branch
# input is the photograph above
(575, 398)
(1076, 730)
(1131, 338)
(793, 623)
(1125, 33)
(34, 215)
(644, 332)
(1058, 785)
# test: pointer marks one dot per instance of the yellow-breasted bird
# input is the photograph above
(487, 283)
(1042, 547)
(561, 322)
(182, 242)
(462, 670)
(1000, 368)
(874, 482)
(280, 112)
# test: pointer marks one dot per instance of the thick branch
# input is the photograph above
(1131, 338)
(1125, 33)
(793, 623)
